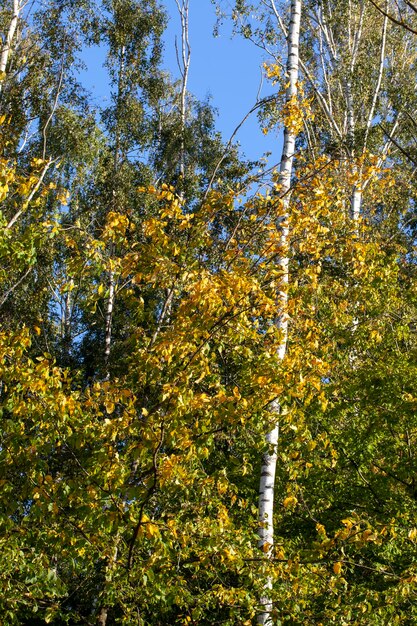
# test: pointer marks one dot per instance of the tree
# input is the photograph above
(267, 483)
(180, 313)
(355, 171)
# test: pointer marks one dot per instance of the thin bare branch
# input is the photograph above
(31, 195)
(392, 18)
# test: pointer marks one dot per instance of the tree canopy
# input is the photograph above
(208, 383)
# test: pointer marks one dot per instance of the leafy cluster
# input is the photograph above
(141, 283)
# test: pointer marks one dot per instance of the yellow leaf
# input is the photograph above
(151, 530)
(109, 406)
(290, 501)
(266, 547)
(63, 196)
(337, 568)
(38, 162)
(348, 522)
(229, 554)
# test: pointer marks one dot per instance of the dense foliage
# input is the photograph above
(141, 284)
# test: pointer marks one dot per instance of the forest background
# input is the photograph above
(208, 373)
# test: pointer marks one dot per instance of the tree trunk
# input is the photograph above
(184, 67)
(269, 460)
(102, 617)
(5, 51)
(114, 201)
(109, 317)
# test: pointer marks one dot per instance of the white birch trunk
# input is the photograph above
(111, 277)
(109, 318)
(6, 48)
(66, 319)
(269, 460)
(184, 67)
(356, 202)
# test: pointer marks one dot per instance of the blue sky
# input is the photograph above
(226, 69)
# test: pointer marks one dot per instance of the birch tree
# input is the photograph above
(183, 60)
(267, 483)
(350, 103)
(353, 89)
(9, 38)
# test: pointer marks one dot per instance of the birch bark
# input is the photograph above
(7, 47)
(184, 67)
(109, 315)
(269, 460)
(104, 609)
(111, 277)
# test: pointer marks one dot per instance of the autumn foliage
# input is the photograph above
(130, 479)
